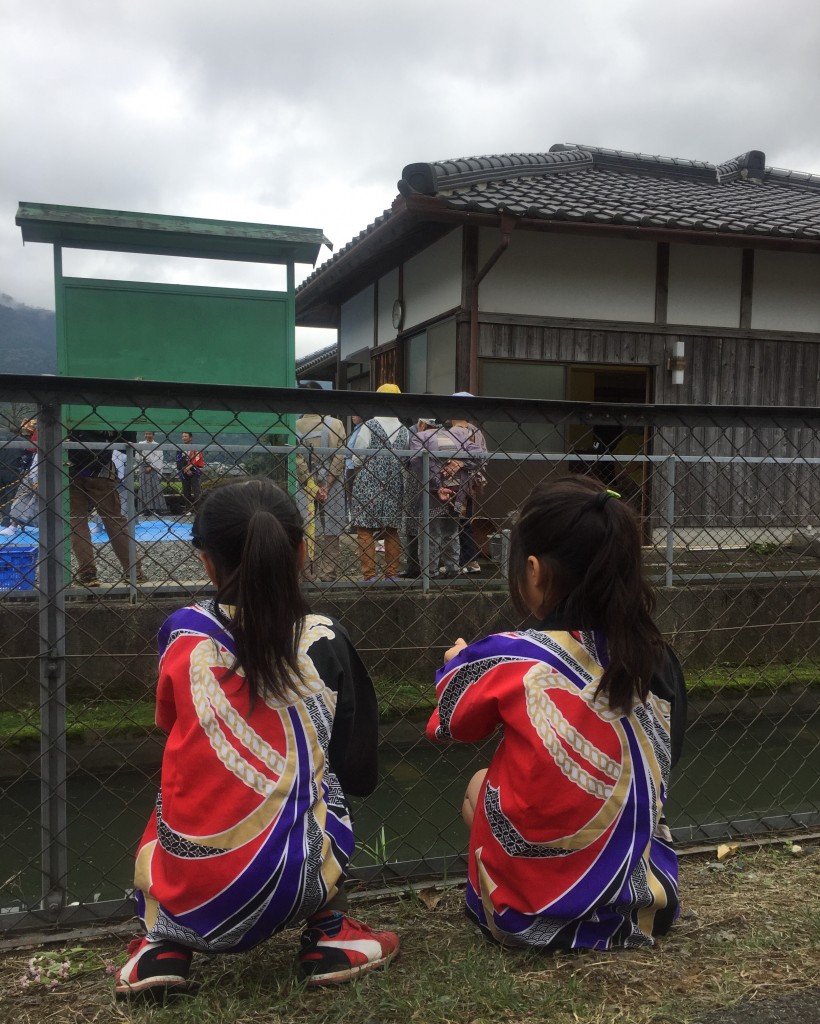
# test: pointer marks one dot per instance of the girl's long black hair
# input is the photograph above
(252, 532)
(590, 542)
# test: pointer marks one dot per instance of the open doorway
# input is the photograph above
(613, 385)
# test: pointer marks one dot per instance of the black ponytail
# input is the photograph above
(590, 543)
(252, 532)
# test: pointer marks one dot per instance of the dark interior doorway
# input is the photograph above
(612, 386)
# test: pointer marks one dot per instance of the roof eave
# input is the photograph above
(376, 253)
(161, 235)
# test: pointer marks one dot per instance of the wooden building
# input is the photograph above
(587, 274)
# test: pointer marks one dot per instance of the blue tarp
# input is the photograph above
(148, 531)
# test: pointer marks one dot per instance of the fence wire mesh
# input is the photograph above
(408, 502)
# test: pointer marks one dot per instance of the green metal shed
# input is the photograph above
(142, 331)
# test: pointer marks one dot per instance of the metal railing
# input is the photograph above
(729, 501)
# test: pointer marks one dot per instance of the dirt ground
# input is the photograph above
(746, 950)
(797, 1008)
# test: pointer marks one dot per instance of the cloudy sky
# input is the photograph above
(306, 113)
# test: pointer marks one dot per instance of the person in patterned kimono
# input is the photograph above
(377, 499)
(271, 719)
(569, 848)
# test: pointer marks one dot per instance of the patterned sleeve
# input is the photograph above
(469, 691)
(174, 642)
(170, 656)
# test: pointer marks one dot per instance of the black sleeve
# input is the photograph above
(354, 740)
(669, 684)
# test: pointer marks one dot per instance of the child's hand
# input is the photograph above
(455, 650)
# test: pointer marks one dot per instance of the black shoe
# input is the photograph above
(155, 968)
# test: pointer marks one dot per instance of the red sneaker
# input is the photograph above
(335, 949)
(153, 967)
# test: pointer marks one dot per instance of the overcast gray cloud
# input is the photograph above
(306, 114)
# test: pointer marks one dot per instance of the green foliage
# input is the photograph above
(760, 547)
(775, 676)
(400, 698)
(102, 718)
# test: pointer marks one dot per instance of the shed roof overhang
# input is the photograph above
(79, 227)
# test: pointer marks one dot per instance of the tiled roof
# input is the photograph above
(741, 196)
(313, 360)
(577, 183)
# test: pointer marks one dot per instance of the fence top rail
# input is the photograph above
(104, 392)
(260, 448)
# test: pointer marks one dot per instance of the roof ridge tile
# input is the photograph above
(432, 178)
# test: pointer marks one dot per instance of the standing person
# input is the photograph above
(190, 464)
(321, 493)
(468, 549)
(92, 483)
(271, 718)
(568, 844)
(414, 488)
(378, 491)
(350, 464)
(451, 468)
(119, 461)
(25, 506)
(151, 461)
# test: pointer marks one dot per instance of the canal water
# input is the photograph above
(731, 770)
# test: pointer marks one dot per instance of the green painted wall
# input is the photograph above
(174, 333)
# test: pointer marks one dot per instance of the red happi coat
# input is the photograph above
(568, 847)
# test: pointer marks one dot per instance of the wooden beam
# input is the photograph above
(747, 273)
(638, 327)
(661, 282)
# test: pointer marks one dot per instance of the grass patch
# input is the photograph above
(101, 718)
(398, 698)
(748, 932)
(753, 677)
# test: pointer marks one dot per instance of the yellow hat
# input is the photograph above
(391, 389)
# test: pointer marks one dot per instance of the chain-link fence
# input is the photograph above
(408, 502)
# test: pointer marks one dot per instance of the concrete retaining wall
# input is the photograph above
(111, 645)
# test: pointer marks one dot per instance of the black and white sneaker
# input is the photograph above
(153, 968)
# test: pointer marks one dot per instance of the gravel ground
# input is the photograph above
(176, 562)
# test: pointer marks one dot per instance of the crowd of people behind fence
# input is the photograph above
(360, 483)
(363, 483)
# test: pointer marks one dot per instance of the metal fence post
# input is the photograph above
(53, 797)
(670, 519)
(424, 525)
(131, 521)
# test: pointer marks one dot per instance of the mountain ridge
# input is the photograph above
(28, 338)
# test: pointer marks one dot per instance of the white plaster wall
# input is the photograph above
(432, 280)
(786, 292)
(388, 293)
(704, 286)
(567, 275)
(356, 326)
